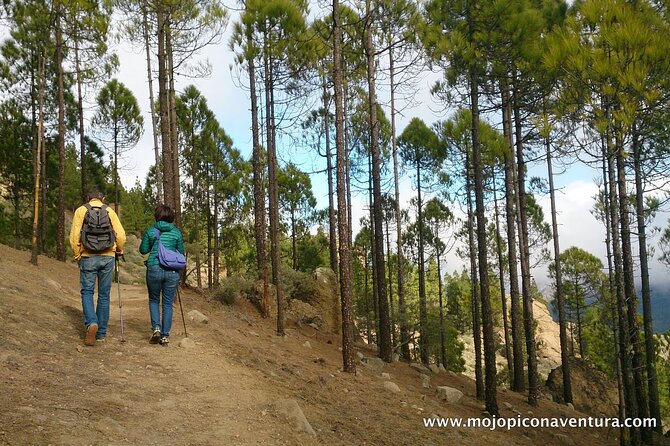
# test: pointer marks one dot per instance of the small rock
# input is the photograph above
(166, 404)
(508, 405)
(396, 357)
(386, 376)
(360, 355)
(253, 333)
(571, 406)
(107, 425)
(449, 394)
(530, 412)
(564, 439)
(419, 367)
(197, 316)
(391, 386)
(313, 325)
(80, 348)
(425, 381)
(486, 413)
(291, 410)
(434, 368)
(373, 363)
(186, 343)
(442, 369)
(307, 344)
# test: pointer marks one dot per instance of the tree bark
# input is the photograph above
(346, 290)
(518, 381)
(38, 161)
(332, 223)
(524, 256)
(60, 230)
(650, 349)
(384, 341)
(490, 377)
(475, 304)
(154, 118)
(501, 269)
(80, 113)
(163, 104)
(424, 342)
(258, 161)
(560, 300)
(174, 137)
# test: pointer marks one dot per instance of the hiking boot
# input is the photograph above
(91, 331)
(155, 336)
(102, 339)
(165, 341)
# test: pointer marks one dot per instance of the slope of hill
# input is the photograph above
(221, 388)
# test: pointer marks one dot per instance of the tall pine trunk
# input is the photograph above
(475, 304)
(562, 326)
(490, 375)
(38, 161)
(154, 118)
(163, 104)
(650, 350)
(630, 294)
(343, 223)
(518, 381)
(258, 162)
(174, 137)
(404, 331)
(80, 113)
(424, 342)
(384, 335)
(60, 230)
(273, 194)
(332, 223)
(503, 296)
(524, 256)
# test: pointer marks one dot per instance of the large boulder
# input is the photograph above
(327, 300)
(303, 313)
(292, 411)
(449, 394)
(592, 391)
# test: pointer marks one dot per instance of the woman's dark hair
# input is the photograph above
(164, 213)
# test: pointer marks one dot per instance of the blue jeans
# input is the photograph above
(90, 269)
(163, 281)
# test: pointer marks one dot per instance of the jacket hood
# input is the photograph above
(164, 226)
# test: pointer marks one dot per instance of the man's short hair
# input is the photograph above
(96, 192)
(164, 213)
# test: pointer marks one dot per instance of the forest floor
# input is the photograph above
(220, 390)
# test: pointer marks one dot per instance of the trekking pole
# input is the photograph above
(182, 311)
(118, 289)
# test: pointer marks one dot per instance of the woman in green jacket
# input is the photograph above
(160, 280)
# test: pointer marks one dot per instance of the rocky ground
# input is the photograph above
(233, 381)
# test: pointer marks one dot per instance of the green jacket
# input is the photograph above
(171, 238)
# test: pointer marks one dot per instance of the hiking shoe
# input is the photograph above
(165, 341)
(155, 336)
(102, 339)
(91, 331)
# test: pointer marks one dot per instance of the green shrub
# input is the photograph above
(298, 285)
(233, 289)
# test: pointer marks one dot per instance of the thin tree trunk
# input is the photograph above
(384, 341)
(163, 104)
(390, 282)
(528, 321)
(615, 326)
(404, 332)
(631, 295)
(294, 253)
(343, 225)
(258, 161)
(332, 224)
(443, 342)
(629, 391)
(501, 269)
(518, 381)
(476, 312)
(650, 350)
(368, 326)
(490, 376)
(174, 138)
(423, 308)
(273, 197)
(60, 230)
(560, 300)
(37, 158)
(208, 198)
(215, 223)
(80, 112)
(154, 118)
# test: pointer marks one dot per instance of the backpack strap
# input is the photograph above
(157, 233)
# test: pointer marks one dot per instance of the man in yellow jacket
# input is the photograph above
(96, 260)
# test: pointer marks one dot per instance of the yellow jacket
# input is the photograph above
(75, 232)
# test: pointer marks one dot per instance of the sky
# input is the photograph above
(230, 103)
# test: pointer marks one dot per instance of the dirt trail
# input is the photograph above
(220, 391)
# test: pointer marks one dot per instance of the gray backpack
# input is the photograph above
(97, 233)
